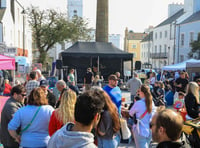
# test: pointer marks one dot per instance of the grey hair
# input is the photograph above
(61, 83)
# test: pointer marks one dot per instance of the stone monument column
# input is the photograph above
(102, 21)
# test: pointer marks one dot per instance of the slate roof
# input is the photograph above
(2, 11)
(172, 18)
(192, 18)
(149, 37)
(136, 36)
(101, 49)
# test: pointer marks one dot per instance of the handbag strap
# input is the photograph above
(28, 125)
(142, 116)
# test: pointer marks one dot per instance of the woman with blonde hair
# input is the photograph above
(65, 112)
(192, 100)
(143, 110)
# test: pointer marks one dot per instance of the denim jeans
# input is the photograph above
(140, 141)
(108, 143)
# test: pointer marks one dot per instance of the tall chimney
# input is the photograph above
(102, 21)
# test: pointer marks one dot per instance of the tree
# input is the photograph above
(50, 27)
(195, 47)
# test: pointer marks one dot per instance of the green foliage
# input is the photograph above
(50, 27)
(195, 47)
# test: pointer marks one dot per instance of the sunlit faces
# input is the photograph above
(113, 83)
(59, 87)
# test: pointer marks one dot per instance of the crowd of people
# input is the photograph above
(35, 117)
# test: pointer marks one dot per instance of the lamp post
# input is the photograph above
(23, 13)
(168, 54)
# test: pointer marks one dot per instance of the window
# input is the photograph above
(134, 54)
(182, 39)
(191, 37)
(181, 58)
(165, 50)
(134, 46)
(160, 35)
(155, 35)
(166, 34)
(155, 49)
(160, 48)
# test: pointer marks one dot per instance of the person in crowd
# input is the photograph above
(109, 126)
(87, 114)
(44, 84)
(61, 86)
(144, 110)
(2, 86)
(65, 112)
(180, 84)
(142, 76)
(166, 126)
(7, 88)
(17, 82)
(133, 84)
(198, 82)
(114, 91)
(97, 81)
(192, 101)
(149, 73)
(33, 119)
(161, 92)
(71, 81)
(31, 84)
(152, 78)
(120, 82)
(88, 78)
(179, 102)
(39, 75)
(11, 106)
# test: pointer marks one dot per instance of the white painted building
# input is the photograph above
(15, 32)
(187, 29)
(75, 8)
(146, 47)
(115, 39)
(164, 38)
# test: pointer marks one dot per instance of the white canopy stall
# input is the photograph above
(193, 68)
(178, 66)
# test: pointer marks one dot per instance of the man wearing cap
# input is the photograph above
(44, 84)
(114, 91)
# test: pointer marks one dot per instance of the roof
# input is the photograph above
(172, 18)
(135, 36)
(192, 18)
(149, 37)
(101, 49)
(2, 11)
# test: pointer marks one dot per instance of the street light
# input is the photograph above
(23, 13)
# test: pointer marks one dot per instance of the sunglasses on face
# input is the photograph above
(23, 95)
(151, 125)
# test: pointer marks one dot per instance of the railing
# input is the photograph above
(161, 55)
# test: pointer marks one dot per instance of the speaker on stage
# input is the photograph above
(59, 64)
(138, 65)
(16, 66)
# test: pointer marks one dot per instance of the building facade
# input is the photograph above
(132, 43)
(15, 33)
(146, 46)
(187, 29)
(75, 8)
